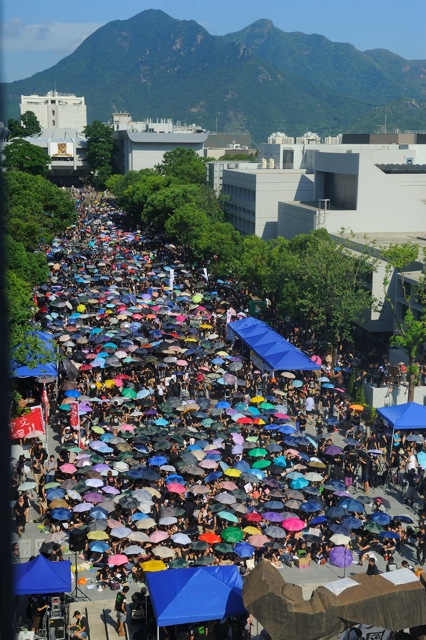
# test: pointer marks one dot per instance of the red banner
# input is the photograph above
(21, 427)
(74, 417)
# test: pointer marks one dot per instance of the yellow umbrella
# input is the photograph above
(97, 429)
(81, 308)
(257, 399)
(191, 340)
(97, 535)
(252, 531)
(109, 383)
(58, 503)
(98, 385)
(232, 473)
(206, 326)
(153, 492)
(223, 354)
(153, 565)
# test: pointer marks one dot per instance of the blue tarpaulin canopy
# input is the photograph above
(42, 576)
(183, 596)
(409, 415)
(275, 351)
(48, 351)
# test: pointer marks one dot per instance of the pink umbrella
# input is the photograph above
(208, 464)
(118, 382)
(113, 524)
(317, 360)
(258, 540)
(180, 318)
(126, 427)
(158, 536)
(228, 485)
(293, 452)
(117, 560)
(181, 363)
(175, 487)
(293, 524)
(68, 468)
(282, 416)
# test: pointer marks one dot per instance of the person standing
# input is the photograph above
(19, 512)
(120, 608)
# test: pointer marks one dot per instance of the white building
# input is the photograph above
(142, 145)
(67, 151)
(57, 110)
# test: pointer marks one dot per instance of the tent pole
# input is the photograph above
(158, 632)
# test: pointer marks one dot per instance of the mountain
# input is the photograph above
(260, 79)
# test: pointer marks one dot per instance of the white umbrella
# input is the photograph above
(340, 539)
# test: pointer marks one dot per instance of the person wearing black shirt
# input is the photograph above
(79, 629)
(372, 569)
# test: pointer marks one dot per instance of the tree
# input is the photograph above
(101, 149)
(325, 286)
(27, 126)
(410, 333)
(21, 155)
(184, 164)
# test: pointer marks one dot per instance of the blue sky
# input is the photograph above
(36, 35)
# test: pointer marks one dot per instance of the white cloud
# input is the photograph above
(16, 36)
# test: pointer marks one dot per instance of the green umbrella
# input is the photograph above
(266, 405)
(52, 485)
(223, 547)
(203, 561)
(373, 527)
(215, 508)
(261, 464)
(232, 534)
(129, 393)
(239, 494)
(226, 515)
(96, 459)
(197, 298)
(179, 563)
(258, 452)
(251, 438)
(199, 545)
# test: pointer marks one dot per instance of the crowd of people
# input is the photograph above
(186, 454)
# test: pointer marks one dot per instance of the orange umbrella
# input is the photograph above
(356, 407)
(210, 538)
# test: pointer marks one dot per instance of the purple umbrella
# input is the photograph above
(273, 516)
(113, 491)
(93, 497)
(333, 450)
(101, 467)
(237, 438)
(341, 557)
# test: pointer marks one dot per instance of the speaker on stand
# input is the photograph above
(77, 542)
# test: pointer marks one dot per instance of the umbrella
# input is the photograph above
(340, 557)
(163, 552)
(275, 532)
(179, 563)
(232, 534)
(153, 565)
(349, 504)
(340, 539)
(243, 550)
(61, 514)
(117, 560)
(293, 524)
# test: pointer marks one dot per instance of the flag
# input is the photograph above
(205, 274)
(21, 427)
(75, 419)
(70, 370)
(171, 279)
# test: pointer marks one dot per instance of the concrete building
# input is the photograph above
(142, 145)
(67, 151)
(254, 194)
(57, 110)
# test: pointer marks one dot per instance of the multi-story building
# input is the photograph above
(142, 145)
(57, 110)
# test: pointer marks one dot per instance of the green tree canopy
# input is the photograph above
(27, 126)
(101, 149)
(21, 155)
(183, 164)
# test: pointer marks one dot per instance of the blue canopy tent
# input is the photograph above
(409, 415)
(49, 368)
(184, 596)
(274, 351)
(42, 576)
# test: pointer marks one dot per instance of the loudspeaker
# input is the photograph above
(77, 540)
(57, 629)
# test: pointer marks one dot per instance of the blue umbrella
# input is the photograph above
(258, 473)
(174, 477)
(214, 475)
(106, 437)
(310, 507)
(98, 546)
(313, 491)
(293, 475)
(157, 461)
(222, 405)
(242, 465)
(280, 461)
(297, 383)
(72, 393)
(380, 518)
(338, 528)
(139, 516)
(61, 514)
(55, 494)
(389, 534)
(352, 523)
(299, 483)
(318, 520)
(135, 474)
(404, 518)
(243, 550)
(271, 427)
(335, 512)
(349, 504)
(98, 513)
(161, 422)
